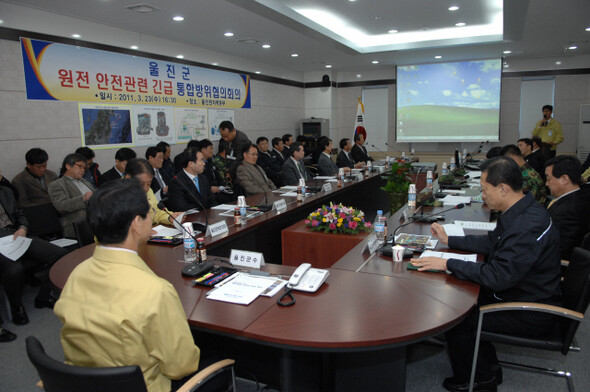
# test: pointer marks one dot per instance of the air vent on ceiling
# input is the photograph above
(142, 8)
(248, 41)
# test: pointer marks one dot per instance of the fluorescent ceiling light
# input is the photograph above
(358, 75)
(375, 62)
(134, 47)
(438, 57)
(453, 8)
(229, 34)
(214, 63)
(572, 47)
(178, 18)
(558, 63)
(180, 56)
(587, 28)
(392, 31)
(328, 65)
(266, 46)
(507, 52)
(294, 55)
(460, 24)
(257, 72)
(76, 35)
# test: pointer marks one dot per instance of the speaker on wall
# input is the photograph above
(326, 81)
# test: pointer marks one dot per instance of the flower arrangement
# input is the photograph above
(399, 180)
(337, 219)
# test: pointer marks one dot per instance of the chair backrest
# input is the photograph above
(84, 233)
(59, 377)
(576, 291)
(44, 221)
(586, 241)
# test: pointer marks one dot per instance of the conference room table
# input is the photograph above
(350, 335)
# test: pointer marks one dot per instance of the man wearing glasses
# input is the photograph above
(250, 176)
(70, 193)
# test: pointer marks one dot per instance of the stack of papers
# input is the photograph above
(14, 248)
(451, 200)
(243, 288)
(163, 231)
(474, 225)
(454, 230)
(446, 255)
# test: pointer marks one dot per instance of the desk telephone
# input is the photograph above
(307, 279)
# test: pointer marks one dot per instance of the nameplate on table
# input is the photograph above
(359, 177)
(327, 187)
(244, 258)
(279, 205)
(217, 228)
(372, 243)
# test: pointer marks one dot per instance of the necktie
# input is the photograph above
(301, 170)
(196, 181)
(160, 180)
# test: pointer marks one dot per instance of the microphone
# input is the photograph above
(471, 154)
(199, 225)
(425, 216)
(394, 149)
(262, 207)
(192, 269)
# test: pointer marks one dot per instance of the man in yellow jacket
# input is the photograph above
(115, 311)
(549, 130)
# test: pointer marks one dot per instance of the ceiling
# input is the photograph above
(531, 29)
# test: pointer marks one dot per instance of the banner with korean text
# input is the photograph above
(61, 72)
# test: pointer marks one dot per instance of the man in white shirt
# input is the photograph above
(155, 156)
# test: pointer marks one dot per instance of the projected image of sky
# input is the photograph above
(473, 84)
(449, 101)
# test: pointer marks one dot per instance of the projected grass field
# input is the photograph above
(430, 121)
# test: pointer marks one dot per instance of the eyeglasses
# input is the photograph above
(252, 153)
(81, 166)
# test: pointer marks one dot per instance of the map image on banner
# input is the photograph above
(106, 126)
(449, 101)
(190, 123)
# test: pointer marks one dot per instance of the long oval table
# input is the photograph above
(350, 335)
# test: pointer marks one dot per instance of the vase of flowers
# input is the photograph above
(337, 218)
(398, 183)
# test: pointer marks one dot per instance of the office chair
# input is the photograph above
(84, 233)
(575, 288)
(57, 376)
(44, 221)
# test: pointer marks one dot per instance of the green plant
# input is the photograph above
(398, 180)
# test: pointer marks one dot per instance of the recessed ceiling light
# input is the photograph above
(214, 63)
(438, 57)
(587, 28)
(506, 65)
(180, 56)
(134, 47)
(558, 63)
(392, 31)
(266, 46)
(376, 17)
(572, 47)
(460, 24)
(375, 62)
(1, 21)
(507, 52)
(328, 65)
(229, 34)
(453, 8)
(76, 35)
(178, 18)
(294, 55)
(358, 75)
(257, 72)
(352, 1)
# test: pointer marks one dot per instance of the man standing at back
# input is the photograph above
(522, 265)
(115, 311)
(32, 182)
(549, 130)
(569, 210)
(236, 141)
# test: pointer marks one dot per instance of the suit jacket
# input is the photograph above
(253, 179)
(182, 193)
(30, 191)
(155, 185)
(109, 175)
(279, 156)
(359, 154)
(537, 161)
(344, 160)
(326, 166)
(286, 153)
(291, 173)
(69, 202)
(570, 214)
(270, 163)
(16, 215)
(236, 147)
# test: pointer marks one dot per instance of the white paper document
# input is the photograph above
(474, 174)
(447, 255)
(290, 194)
(164, 231)
(454, 230)
(451, 200)
(324, 178)
(243, 289)
(454, 191)
(14, 248)
(63, 242)
(475, 225)
(225, 207)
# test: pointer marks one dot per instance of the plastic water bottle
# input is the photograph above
(429, 178)
(190, 247)
(452, 166)
(379, 226)
(243, 214)
(412, 196)
(444, 171)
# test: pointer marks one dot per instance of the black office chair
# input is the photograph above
(586, 241)
(576, 296)
(84, 233)
(57, 376)
(44, 221)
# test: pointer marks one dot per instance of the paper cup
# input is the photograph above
(398, 253)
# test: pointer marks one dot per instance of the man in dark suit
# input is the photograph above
(121, 157)
(236, 141)
(277, 149)
(570, 209)
(39, 256)
(190, 188)
(271, 163)
(159, 185)
(32, 182)
(326, 166)
(287, 141)
(167, 165)
(358, 151)
(344, 159)
(533, 154)
(293, 168)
